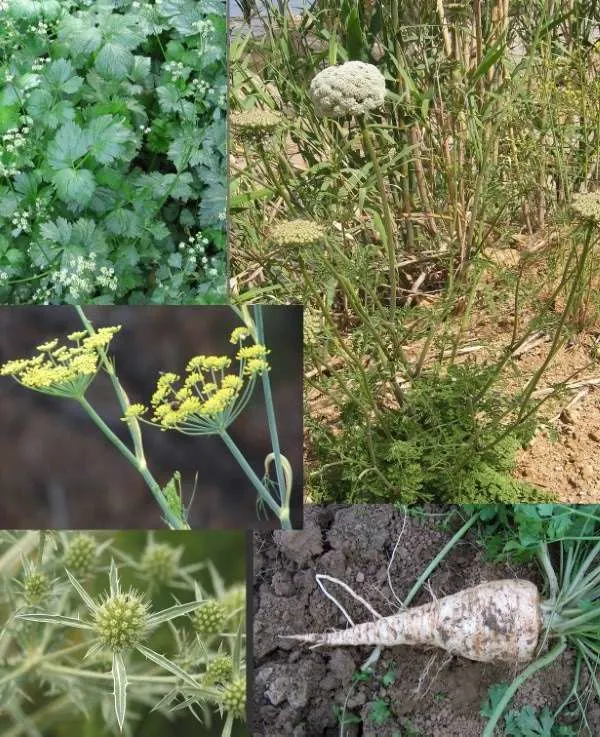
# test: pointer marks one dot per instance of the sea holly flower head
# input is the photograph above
(210, 395)
(209, 618)
(233, 699)
(119, 621)
(62, 370)
(81, 554)
(159, 562)
(353, 88)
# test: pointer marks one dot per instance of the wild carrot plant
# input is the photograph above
(407, 173)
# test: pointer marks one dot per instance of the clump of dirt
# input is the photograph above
(302, 692)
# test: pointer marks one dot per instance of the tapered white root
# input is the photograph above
(495, 621)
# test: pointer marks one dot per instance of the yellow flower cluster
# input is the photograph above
(59, 369)
(209, 397)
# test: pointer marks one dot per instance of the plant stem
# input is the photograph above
(172, 520)
(387, 215)
(256, 482)
(284, 492)
(132, 422)
(531, 670)
(439, 557)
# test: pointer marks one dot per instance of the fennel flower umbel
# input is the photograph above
(352, 88)
(209, 398)
(62, 370)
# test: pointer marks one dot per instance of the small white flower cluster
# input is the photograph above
(10, 170)
(40, 30)
(21, 221)
(39, 64)
(80, 276)
(204, 27)
(194, 255)
(3, 5)
(145, 129)
(352, 88)
(200, 87)
(14, 139)
(3, 274)
(177, 69)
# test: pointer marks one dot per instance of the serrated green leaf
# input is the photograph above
(43, 107)
(106, 137)
(69, 144)
(122, 222)
(113, 61)
(9, 117)
(81, 37)
(74, 185)
(48, 9)
(60, 77)
(26, 183)
(59, 231)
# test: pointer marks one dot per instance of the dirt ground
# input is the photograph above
(296, 691)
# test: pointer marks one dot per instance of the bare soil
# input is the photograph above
(296, 691)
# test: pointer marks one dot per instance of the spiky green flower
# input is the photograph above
(234, 697)
(297, 232)
(159, 562)
(35, 586)
(80, 555)
(218, 670)
(121, 620)
(209, 618)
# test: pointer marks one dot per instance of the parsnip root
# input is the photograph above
(498, 621)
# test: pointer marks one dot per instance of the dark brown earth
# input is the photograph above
(296, 690)
(58, 471)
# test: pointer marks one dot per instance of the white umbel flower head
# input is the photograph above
(352, 88)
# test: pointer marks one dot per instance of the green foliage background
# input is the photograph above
(112, 169)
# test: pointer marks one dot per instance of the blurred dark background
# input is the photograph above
(57, 470)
